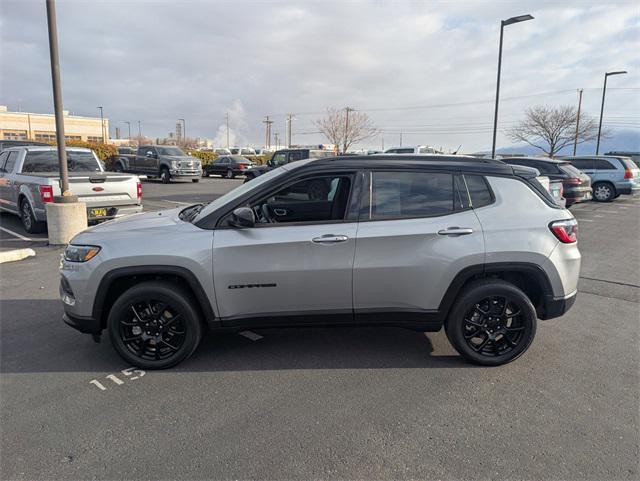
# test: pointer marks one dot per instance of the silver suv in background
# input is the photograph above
(476, 247)
(611, 176)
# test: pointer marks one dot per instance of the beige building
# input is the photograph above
(42, 127)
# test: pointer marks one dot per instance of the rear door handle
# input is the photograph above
(456, 231)
(330, 239)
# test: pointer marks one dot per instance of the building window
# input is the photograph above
(46, 136)
(72, 137)
(93, 138)
(14, 134)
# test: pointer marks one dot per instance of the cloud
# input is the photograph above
(157, 61)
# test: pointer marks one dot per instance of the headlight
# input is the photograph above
(174, 164)
(80, 253)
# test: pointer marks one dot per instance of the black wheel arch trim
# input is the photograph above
(192, 281)
(483, 270)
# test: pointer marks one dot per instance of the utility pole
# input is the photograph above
(400, 137)
(382, 143)
(57, 98)
(276, 139)
(575, 141)
(102, 123)
(289, 119)
(139, 129)
(227, 119)
(267, 123)
(604, 91)
(184, 132)
(128, 125)
(346, 129)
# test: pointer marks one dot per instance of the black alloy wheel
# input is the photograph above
(153, 325)
(165, 175)
(493, 322)
(28, 218)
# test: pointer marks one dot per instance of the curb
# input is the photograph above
(16, 255)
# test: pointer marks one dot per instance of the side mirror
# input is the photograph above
(149, 153)
(243, 217)
(270, 162)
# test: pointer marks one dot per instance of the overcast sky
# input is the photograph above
(426, 68)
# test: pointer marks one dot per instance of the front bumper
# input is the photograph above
(184, 173)
(86, 325)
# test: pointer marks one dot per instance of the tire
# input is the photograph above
(603, 192)
(28, 218)
(205, 173)
(486, 339)
(230, 174)
(133, 327)
(165, 176)
(195, 181)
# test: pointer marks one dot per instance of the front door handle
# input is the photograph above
(456, 231)
(330, 239)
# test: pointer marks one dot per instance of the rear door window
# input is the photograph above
(11, 162)
(410, 194)
(601, 164)
(581, 164)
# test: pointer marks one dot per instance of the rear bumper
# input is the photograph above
(581, 194)
(628, 188)
(557, 306)
(114, 212)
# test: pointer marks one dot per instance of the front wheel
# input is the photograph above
(491, 323)
(165, 176)
(154, 325)
(603, 192)
(230, 174)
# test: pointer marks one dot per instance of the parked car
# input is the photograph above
(8, 143)
(478, 248)
(164, 161)
(29, 178)
(635, 156)
(222, 151)
(576, 184)
(286, 156)
(242, 151)
(228, 166)
(610, 176)
(417, 149)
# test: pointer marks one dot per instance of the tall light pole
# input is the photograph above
(288, 130)
(184, 131)
(128, 125)
(604, 91)
(57, 101)
(227, 120)
(102, 123)
(139, 128)
(575, 140)
(503, 23)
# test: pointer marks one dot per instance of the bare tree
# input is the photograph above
(343, 128)
(550, 129)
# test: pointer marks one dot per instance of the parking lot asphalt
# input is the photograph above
(341, 403)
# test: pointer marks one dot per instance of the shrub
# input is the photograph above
(205, 157)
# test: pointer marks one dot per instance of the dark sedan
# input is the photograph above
(228, 166)
(576, 184)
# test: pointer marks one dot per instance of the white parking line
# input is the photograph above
(16, 234)
(251, 335)
(585, 220)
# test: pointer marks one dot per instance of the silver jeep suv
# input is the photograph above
(476, 246)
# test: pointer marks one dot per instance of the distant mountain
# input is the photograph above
(620, 140)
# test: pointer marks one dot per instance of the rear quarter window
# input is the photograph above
(479, 191)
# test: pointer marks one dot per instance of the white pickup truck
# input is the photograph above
(29, 178)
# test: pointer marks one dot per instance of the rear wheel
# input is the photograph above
(154, 325)
(28, 218)
(165, 176)
(195, 180)
(603, 192)
(230, 174)
(491, 323)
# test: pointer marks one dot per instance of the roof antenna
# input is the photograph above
(457, 150)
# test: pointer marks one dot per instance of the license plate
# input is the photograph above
(100, 212)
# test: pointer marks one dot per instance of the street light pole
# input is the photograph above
(604, 91)
(128, 125)
(503, 23)
(575, 140)
(102, 123)
(57, 97)
(227, 120)
(139, 128)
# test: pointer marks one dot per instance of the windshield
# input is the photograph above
(170, 151)
(47, 161)
(237, 192)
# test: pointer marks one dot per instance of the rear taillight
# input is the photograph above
(139, 190)
(628, 174)
(565, 230)
(574, 180)
(242, 166)
(46, 193)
